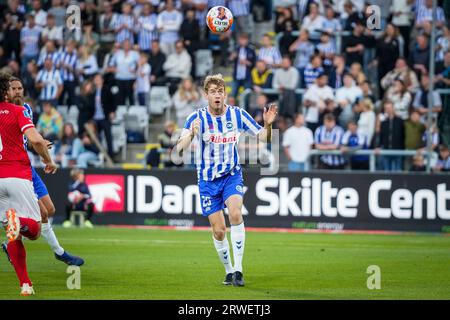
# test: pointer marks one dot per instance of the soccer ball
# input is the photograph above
(219, 19)
(73, 196)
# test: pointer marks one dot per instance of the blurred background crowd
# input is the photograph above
(341, 82)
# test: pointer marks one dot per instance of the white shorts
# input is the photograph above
(19, 194)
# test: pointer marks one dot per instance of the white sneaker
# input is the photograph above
(13, 225)
(26, 290)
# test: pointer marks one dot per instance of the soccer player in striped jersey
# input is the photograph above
(217, 128)
(46, 206)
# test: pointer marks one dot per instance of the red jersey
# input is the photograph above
(14, 161)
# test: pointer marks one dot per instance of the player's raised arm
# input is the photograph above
(269, 116)
(188, 134)
(40, 145)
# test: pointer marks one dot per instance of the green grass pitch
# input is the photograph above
(162, 264)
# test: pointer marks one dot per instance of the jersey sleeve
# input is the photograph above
(25, 122)
(188, 123)
(249, 124)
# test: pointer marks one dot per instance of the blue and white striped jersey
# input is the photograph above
(333, 136)
(125, 34)
(29, 114)
(239, 7)
(52, 79)
(270, 55)
(147, 31)
(217, 152)
(70, 59)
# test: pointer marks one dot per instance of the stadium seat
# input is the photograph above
(137, 119)
(120, 113)
(81, 218)
(63, 111)
(204, 62)
(72, 116)
(119, 137)
(160, 100)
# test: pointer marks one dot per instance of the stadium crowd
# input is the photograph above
(363, 88)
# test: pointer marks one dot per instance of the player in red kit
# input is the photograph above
(19, 209)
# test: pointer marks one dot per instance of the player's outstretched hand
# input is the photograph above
(50, 168)
(196, 126)
(270, 114)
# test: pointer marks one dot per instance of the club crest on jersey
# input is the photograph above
(27, 114)
(229, 125)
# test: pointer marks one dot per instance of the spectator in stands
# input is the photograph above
(285, 21)
(106, 27)
(312, 70)
(52, 31)
(29, 77)
(392, 137)
(84, 107)
(443, 163)
(442, 46)
(403, 72)
(244, 58)
(3, 58)
(186, 100)
(387, 51)
(167, 143)
(328, 137)
(103, 107)
(421, 103)
(262, 77)
(286, 40)
(143, 80)
(425, 14)
(352, 140)
(314, 21)
(297, 143)
(331, 24)
(67, 64)
(50, 122)
(87, 65)
(190, 32)
(50, 83)
(157, 59)
(367, 91)
(64, 147)
(39, 13)
(357, 73)
(401, 18)
(317, 100)
(80, 198)
(420, 55)
(401, 98)
(355, 44)
(90, 38)
(147, 26)
(48, 51)
(345, 98)
(367, 119)
(125, 64)
(13, 20)
(414, 131)
(443, 78)
(29, 39)
(286, 81)
(86, 151)
(304, 50)
(435, 138)
(418, 163)
(327, 50)
(125, 25)
(269, 53)
(350, 15)
(336, 79)
(59, 12)
(177, 66)
(169, 23)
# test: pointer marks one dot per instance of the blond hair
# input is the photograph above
(216, 79)
(74, 173)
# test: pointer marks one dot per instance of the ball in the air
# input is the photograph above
(219, 19)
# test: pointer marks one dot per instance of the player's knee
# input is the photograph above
(219, 233)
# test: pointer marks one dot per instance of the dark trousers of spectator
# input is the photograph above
(142, 98)
(173, 84)
(359, 165)
(405, 31)
(239, 83)
(125, 91)
(391, 163)
(105, 126)
(88, 207)
(69, 90)
(326, 166)
(11, 45)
